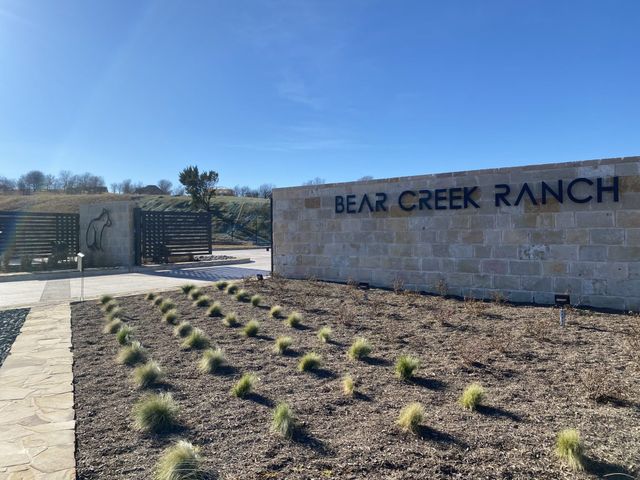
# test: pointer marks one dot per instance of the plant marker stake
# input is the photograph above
(563, 315)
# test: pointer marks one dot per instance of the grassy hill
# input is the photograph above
(235, 219)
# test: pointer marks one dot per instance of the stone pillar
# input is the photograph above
(107, 234)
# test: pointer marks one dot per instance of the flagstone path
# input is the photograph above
(37, 439)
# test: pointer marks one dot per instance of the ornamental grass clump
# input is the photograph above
(243, 296)
(255, 300)
(187, 288)
(194, 293)
(230, 319)
(276, 311)
(104, 299)
(109, 306)
(283, 421)
(324, 334)
(348, 386)
(215, 310)
(211, 360)
(472, 396)
(202, 301)
(148, 374)
(569, 448)
(359, 349)
(158, 300)
(410, 417)
(294, 320)
(156, 413)
(150, 296)
(251, 328)
(282, 344)
(244, 386)
(167, 305)
(171, 317)
(197, 340)
(183, 329)
(180, 462)
(115, 313)
(132, 354)
(124, 335)
(310, 361)
(406, 366)
(221, 284)
(232, 288)
(113, 326)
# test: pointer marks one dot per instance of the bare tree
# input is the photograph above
(365, 178)
(178, 191)
(165, 186)
(315, 181)
(265, 190)
(7, 185)
(32, 181)
(66, 180)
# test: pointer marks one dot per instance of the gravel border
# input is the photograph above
(10, 324)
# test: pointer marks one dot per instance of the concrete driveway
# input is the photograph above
(34, 292)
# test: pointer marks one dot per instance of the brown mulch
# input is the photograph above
(539, 379)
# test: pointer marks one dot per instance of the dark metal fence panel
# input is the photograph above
(39, 234)
(161, 235)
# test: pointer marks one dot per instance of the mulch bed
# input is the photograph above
(539, 379)
(10, 324)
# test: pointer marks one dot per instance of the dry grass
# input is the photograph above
(132, 354)
(196, 340)
(251, 328)
(360, 349)
(406, 366)
(180, 462)
(148, 374)
(156, 413)
(215, 310)
(324, 334)
(282, 344)
(472, 396)
(569, 448)
(113, 326)
(275, 311)
(211, 360)
(410, 417)
(310, 361)
(348, 386)
(283, 422)
(231, 320)
(183, 329)
(294, 320)
(244, 386)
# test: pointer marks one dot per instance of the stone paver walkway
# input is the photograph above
(37, 439)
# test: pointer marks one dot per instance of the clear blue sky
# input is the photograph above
(284, 91)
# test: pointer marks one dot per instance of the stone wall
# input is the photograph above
(444, 233)
(107, 239)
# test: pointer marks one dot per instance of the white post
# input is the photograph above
(80, 256)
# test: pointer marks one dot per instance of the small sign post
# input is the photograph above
(80, 256)
(562, 301)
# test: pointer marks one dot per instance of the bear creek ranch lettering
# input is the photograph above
(579, 190)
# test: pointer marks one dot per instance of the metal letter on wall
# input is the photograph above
(96, 227)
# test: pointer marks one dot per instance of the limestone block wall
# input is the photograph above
(526, 232)
(107, 239)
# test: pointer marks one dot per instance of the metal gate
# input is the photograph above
(161, 235)
(39, 235)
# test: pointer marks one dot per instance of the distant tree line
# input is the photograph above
(263, 191)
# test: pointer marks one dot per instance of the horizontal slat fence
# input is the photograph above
(161, 235)
(39, 234)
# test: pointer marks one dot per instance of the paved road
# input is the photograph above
(33, 292)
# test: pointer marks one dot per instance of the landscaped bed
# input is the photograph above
(538, 380)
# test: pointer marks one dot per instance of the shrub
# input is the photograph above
(406, 366)
(115, 313)
(215, 310)
(148, 374)
(310, 361)
(410, 417)
(324, 334)
(104, 299)
(179, 462)
(255, 300)
(293, 320)
(211, 360)
(251, 328)
(276, 311)
(348, 385)
(230, 320)
(569, 448)
(150, 296)
(221, 284)
(167, 305)
(243, 296)
(283, 422)
(244, 385)
(194, 293)
(158, 300)
(124, 335)
(110, 306)
(156, 413)
(232, 288)
(132, 354)
(282, 345)
(359, 349)
(171, 317)
(472, 396)
(187, 288)
(183, 329)
(113, 326)
(202, 301)
(196, 340)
